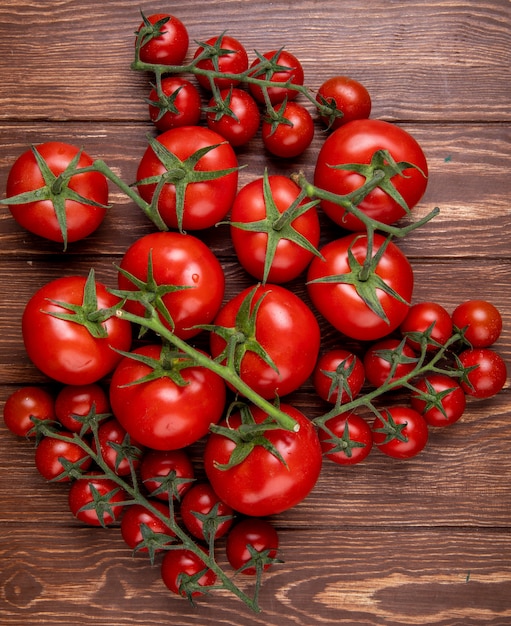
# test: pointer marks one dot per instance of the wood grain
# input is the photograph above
(427, 541)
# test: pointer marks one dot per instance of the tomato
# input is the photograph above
(346, 439)
(96, 501)
(179, 104)
(388, 360)
(23, 404)
(251, 545)
(269, 246)
(278, 66)
(163, 38)
(488, 376)
(138, 522)
(342, 298)
(430, 318)
(290, 133)
(356, 143)
(204, 514)
(178, 566)
(72, 208)
(174, 409)
(74, 402)
(283, 326)
(236, 117)
(439, 399)
(178, 275)
(207, 195)
(400, 432)
(117, 449)
(224, 54)
(63, 349)
(481, 321)
(262, 484)
(338, 370)
(166, 473)
(348, 96)
(52, 454)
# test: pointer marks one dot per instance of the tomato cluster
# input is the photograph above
(135, 395)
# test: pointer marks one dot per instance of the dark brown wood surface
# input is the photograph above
(427, 541)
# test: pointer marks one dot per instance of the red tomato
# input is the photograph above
(163, 38)
(116, 448)
(356, 143)
(236, 118)
(41, 216)
(439, 399)
(224, 54)
(204, 514)
(348, 96)
(178, 565)
(430, 317)
(271, 247)
(50, 454)
(337, 371)
(25, 403)
(136, 517)
(338, 299)
(285, 328)
(278, 66)
(161, 413)
(249, 536)
(178, 105)
(291, 136)
(166, 472)
(186, 283)
(388, 360)
(488, 376)
(74, 402)
(206, 200)
(346, 439)
(261, 484)
(65, 350)
(481, 320)
(96, 501)
(400, 432)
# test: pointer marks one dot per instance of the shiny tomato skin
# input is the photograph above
(453, 403)
(65, 350)
(39, 216)
(328, 364)
(356, 142)
(359, 435)
(286, 328)
(261, 484)
(481, 320)
(233, 62)
(75, 401)
(158, 464)
(254, 532)
(420, 317)
(181, 260)
(187, 101)
(378, 368)
(289, 140)
(159, 413)
(340, 303)
(350, 96)
(240, 129)
(24, 403)
(290, 259)
(293, 74)
(181, 561)
(415, 432)
(111, 432)
(490, 375)
(50, 450)
(168, 48)
(135, 515)
(201, 499)
(80, 495)
(206, 202)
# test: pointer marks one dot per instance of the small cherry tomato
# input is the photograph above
(236, 117)
(166, 473)
(25, 403)
(76, 401)
(337, 371)
(346, 439)
(481, 320)
(400, 432)
(136, 517)
(51, 453)
(430, 318)
(96, 501)
(180, 564)
(204, 513)
(488, 376)
(226, 55)
(290, 133)
(117, 449)
(439, 399)
(276, 66)
(164, 39)
(179, 104)
(388, 360)
(346, 95)
(249, 536)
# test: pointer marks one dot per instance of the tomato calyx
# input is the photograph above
(327, 108)
(276, 117)
(150, 31)
(344, 443)
(153, 542)
(397, 356)
(101, 504)
(391, 429)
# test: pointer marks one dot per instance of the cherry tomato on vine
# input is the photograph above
(76, 401)
(178, 105)
(481, 320)
(51, 452)
(291, 133)
(256, 535)
(225, 54)
(96, 501)
(179, 565)
(489, 375)
(203, 512)
(164, 39)
(276, 66)
(400, 432)
(338, 371)
(136, 516)
(431, 317)
(166, 472)
(346, 439)
(439, 399)
(117, 450)
(348, 96)
(387, 360)
(24, 403)
(359, 144)
(236, 118)
(179, 274)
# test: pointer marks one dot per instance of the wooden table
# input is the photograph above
(425, 541)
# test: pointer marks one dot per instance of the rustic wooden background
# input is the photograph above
(425, 541)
